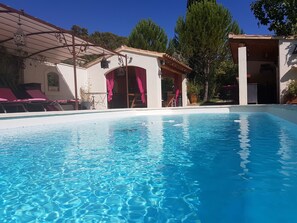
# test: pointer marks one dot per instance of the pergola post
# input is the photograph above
(242, 76)
(184, 91)
(74, 72)
(127, 80)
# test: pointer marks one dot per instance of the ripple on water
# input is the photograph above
(150, 169)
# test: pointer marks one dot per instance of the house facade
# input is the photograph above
(266, 65)
(53, 60)
(129, 81)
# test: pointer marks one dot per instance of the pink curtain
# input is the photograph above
(110, 84)
(141, 81)
(177, 87)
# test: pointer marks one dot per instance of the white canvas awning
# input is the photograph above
(43, 40)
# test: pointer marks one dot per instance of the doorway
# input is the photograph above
(171, 90)
(127, 90)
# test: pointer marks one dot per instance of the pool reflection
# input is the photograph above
(244, 143)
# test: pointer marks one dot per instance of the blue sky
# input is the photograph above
(121, 16)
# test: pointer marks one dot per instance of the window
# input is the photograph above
(53, 81)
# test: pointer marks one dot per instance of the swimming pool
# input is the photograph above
(238, 167)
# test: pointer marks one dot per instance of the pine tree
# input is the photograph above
(202, 37)
(148, 36)
(190, 2)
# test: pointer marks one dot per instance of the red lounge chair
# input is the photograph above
(7, 98)
(3, 100)
(39, 94)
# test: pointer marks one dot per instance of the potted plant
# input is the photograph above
(290, 96)
(193, 91)
(85, 97)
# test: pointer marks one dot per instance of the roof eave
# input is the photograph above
(258, 37)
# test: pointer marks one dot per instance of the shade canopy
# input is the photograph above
(259, 48)
(43, 41)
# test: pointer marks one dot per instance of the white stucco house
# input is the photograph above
(140, 83)
(266, 65)
(141, 87)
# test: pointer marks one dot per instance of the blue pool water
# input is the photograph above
(179, 168)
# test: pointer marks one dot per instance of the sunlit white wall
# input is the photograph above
(37, 73)
(287, 63)
(150, 64)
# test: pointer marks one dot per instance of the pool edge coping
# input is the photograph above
(288, 112)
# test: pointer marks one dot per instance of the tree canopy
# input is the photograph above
(202, 37)
(108, 40)
(190, 2)
(80, 31)
(279, 16)
(148, 36)
(105, 39)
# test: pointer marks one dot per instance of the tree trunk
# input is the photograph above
(205, 98)
(206, 83)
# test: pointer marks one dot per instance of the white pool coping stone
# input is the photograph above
(17, 120)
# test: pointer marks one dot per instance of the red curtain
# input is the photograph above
(177, 87)
(110, 84)
(141, 82)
